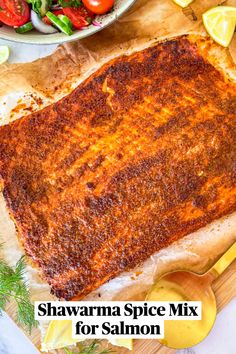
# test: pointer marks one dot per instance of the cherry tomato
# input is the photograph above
(98, 7)
(79, 16)
(14, 12)
(46, 20)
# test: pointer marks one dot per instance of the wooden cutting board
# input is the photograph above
(225, 290)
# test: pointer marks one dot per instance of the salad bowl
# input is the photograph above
(100, 22)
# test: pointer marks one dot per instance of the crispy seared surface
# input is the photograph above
(139, 155)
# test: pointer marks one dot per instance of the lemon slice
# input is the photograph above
(183, 3)
(59, 335)
(220, 23)
(4, 53)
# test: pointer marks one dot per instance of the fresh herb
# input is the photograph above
(14, 287)
(93, 347)
(40, 6)
(70, 3)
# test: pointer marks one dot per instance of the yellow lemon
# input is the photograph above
(59, 335)
(220, 23)
(183, 3)
(4, 53)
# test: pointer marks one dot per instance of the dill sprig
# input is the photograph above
(13, 286)
(93, 347)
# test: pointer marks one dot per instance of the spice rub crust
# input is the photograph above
(139, 155)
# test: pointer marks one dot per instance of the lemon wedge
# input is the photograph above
(59, 335)
(183, 3)
(220, 23)
(4, 53)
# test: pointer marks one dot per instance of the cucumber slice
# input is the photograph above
(25, 28)
(59, 24)
(65, 20)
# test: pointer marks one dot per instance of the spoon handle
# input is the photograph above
(228, 257)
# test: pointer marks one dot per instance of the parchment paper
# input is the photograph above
(29, 87)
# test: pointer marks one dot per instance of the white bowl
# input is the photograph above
(34, 37)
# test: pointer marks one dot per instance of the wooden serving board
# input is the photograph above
(225, 290)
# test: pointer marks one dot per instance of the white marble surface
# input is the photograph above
(221, 340)
(12, 340)
(25, 53)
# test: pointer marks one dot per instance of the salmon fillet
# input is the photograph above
(139, 155)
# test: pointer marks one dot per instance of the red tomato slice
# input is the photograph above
(19, 8)
(5, 16)
(14, 12)
(99, 7)
(78, 15)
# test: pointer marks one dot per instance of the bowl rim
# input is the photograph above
(76, 36)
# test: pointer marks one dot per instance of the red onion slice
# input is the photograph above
(40, 25)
